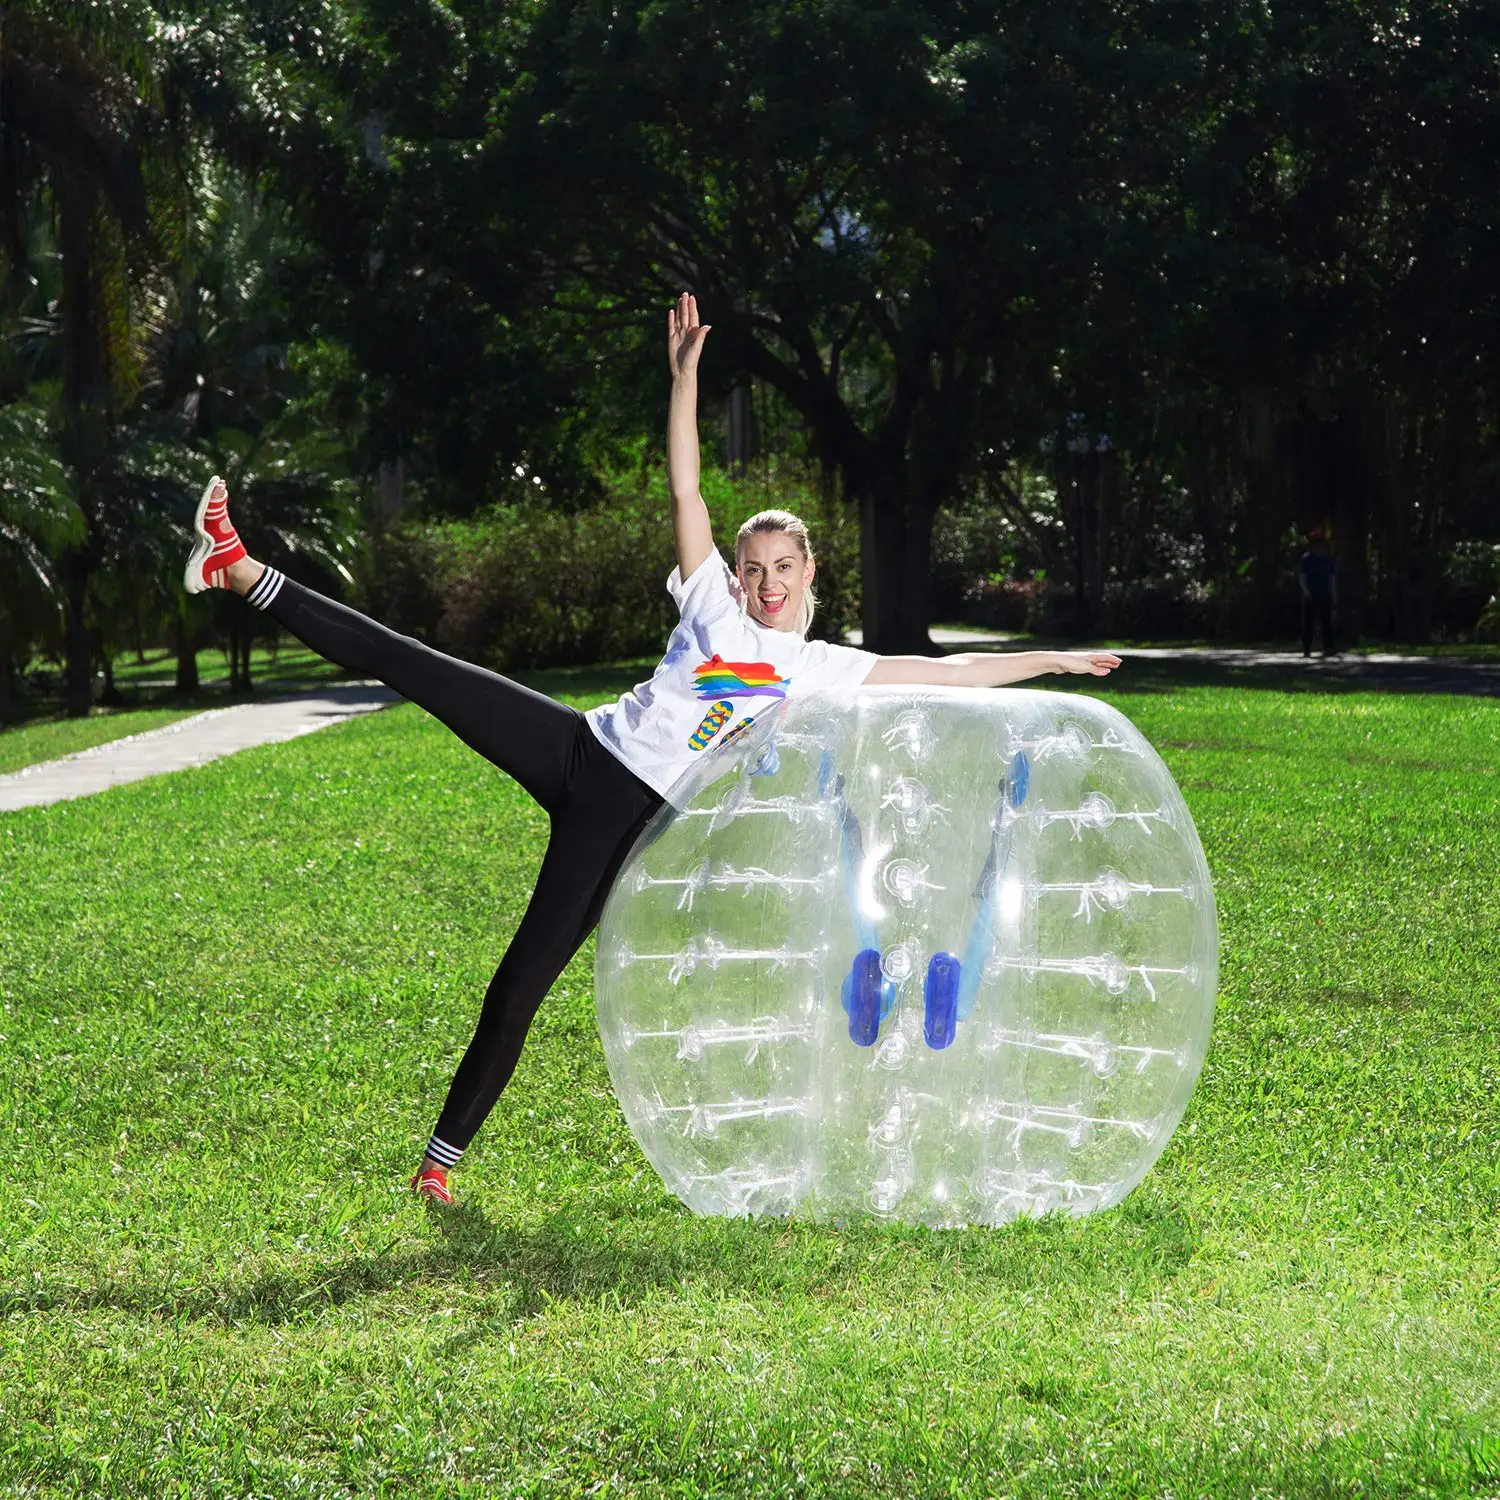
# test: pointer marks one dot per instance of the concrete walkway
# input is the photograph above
(1375, 670)
(189, 742)
(223, 731)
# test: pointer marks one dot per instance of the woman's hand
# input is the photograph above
(1094, 663)
(685, 336)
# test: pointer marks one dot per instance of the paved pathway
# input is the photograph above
(223, 731)
(1375, 670)
(189, 742)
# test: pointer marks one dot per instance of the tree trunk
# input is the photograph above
(187, 655)
(109, 694)
(1084, 505)
(390, 493)
(1422, 567)
(239, 646)
(1270, 456)
(7, 685)
(1355, 485)
(85, 395)
(739, 422)
(1352, 569)
(895, 557)
(78, 669)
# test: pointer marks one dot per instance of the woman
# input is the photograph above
(601, 775)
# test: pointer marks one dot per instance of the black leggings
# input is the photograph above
(596, 805)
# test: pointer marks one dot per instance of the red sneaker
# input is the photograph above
(217, 543)
(433, 1183)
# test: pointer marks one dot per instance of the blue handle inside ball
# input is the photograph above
(940, 1022)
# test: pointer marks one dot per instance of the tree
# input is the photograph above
(38, 518)
(222, 393)
(892, 215)
(71, 108)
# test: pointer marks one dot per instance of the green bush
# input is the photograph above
(999, 603)
(1487, 627)
(528, 586)
(980, 568)
(1465, 603)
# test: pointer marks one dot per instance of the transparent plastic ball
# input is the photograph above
(946, 956)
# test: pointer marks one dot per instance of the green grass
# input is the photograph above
(232, 1000)
(47, 740)
(1457, 650)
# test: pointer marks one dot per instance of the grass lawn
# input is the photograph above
(232, 1001)
(51, 738)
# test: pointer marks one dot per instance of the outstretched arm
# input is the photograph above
(982, 669)
(690, 524)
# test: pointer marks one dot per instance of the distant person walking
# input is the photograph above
(1315, 576)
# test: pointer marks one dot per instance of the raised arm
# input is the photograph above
(983, 669)
(690, 525)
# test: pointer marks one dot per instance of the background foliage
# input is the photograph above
(1082, 314)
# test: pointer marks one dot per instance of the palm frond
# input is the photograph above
(36, 497)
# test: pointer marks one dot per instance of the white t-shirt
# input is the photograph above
(721, 670)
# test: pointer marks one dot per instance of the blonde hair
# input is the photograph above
(794, 527)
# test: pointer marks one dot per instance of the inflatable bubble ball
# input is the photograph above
(943, 956)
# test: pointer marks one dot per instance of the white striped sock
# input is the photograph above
(442, 1153)
(266, 588)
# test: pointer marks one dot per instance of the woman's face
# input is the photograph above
(774, 575)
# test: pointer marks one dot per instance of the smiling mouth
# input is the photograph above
(772, 605)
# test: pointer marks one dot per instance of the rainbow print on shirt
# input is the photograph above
(717, 678)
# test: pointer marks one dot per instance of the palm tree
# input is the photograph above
(38, 517)
(220, 395)
(75, 106)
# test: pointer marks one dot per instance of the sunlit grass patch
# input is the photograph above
(233, 998)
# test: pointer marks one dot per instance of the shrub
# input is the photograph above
(1466, 591)
(975, 553)
(1159, 609)
(1487, 628)
(999, 603)
(526, 586)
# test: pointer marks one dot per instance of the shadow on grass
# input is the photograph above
(581, 1255)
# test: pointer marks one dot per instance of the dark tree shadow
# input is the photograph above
(1346, 674)
(583, 1254)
